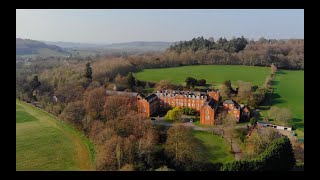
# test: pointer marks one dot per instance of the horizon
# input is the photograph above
(122, 26)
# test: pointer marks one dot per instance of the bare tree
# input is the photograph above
(229, 124)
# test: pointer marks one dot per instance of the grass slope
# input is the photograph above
(45, 143)
(289, 92)
(212, 73)
(215, 147)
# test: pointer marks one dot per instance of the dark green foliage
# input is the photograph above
(200, 43)
(131, 80)
(202, 82)
(253, 121)
(88, 73)
(279, 156)
(191, 82)
(188, 111)
(35, 82)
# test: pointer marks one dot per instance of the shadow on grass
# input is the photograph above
(276, 99)
(280, 72)
(213, 153)
(275, 82)
(298, 123)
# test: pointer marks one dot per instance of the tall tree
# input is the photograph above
(94, 101)
(229, 124)
(88, 72)
(131, 80)
(191, 82)
(180, 145)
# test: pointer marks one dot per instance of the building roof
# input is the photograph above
(212, 103)
(188, 94)
(121, 93)
(151, 98)
(229, 101)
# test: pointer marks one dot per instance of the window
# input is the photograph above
(207, 117)
(143, 110)
(207, 112)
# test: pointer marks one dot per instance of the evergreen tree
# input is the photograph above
(88, 73)
(131, 80)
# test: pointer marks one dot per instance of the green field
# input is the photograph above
(45, 143)
(215, 147)
(215, 74)
(289, 92)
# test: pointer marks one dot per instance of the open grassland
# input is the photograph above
(45, 143)
(215, 74)
(289, 92)
(215, 147)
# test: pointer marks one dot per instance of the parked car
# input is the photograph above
(153, 119)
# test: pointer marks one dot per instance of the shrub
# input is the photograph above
(278, 156)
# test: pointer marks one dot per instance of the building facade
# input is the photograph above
(207, 112)
(169, 99)
(204, 103)
(148, 105)
(232, 108)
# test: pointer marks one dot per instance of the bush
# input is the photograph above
(202, 82)
(278, 156)
(253, 121)
(174, 114)
(188, 111)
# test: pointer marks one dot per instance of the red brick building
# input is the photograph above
(169, 98)
(148, 105)
(204, 103)
(232, 108)
(207, 113)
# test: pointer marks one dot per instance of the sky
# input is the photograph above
(115, 26)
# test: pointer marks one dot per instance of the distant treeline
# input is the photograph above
(285, 54)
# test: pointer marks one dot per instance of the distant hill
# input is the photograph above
(75, 45)
(137, 45)
(32, 48)
(141, 45)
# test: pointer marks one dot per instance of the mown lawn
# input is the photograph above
(215, 147)
(215, 74)
(289, 92)
(44, 143)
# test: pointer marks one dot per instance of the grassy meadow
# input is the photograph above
(289, 92)
(213, 74)
(215, 147)
(45, 143)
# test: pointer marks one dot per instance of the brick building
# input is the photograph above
(207, 112)
(169, 98)
(148, 105)
(232, 108)
(204, 103)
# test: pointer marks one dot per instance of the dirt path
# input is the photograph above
(82, 155)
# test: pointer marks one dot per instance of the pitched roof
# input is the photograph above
(229, 101)
(151, 97)
(121, 93)
(212, 103)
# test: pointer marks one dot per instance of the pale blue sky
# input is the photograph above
(112, 26)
